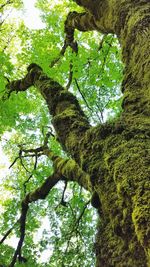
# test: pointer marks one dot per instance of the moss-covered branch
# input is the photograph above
(129, 20)
(67, 168)
(69, 120)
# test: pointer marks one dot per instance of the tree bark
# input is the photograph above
(116, 156)
(122, 174)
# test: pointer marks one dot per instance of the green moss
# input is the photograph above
(119, 164)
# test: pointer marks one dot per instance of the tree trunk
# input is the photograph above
(119, 165)
(116, 156)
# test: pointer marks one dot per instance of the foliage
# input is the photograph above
(25, 120)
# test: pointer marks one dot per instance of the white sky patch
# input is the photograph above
(31, 16)
(12, 241)
(4, 171)
(45, 224)
(4, 164)
(46, 254)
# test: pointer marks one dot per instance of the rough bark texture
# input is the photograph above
(119, 166)
(116, 156)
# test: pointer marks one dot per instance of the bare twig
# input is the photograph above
(75, 227)
(50, 131)
(63, 202)
(69, 41)
(35, 166)
(105, 56)
(14, 162)
(31, 152)
(82, 213)
(83, 97)
(1, 22)
(61, 54)
(9, 232)
(70, 76)
(74, 47)
(101, 43)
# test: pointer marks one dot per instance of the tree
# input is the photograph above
(110, 160)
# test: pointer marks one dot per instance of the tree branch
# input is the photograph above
(64, 169)
(83, 97)
(8, 232)
(82, 213)
(24, 209)
(70, 76)
(40, 193)
(63, 202)
(80, 21)
(68, 117)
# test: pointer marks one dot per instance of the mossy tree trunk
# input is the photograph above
(119, 166)
(116, 156)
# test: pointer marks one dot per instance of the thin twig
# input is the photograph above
(63, 202)
(15, 160)
(70, 76)
(29, 178)
(75, 228)
(82, 212)
(101, 43)
(82, 95)
(61, 54)
(9, 232)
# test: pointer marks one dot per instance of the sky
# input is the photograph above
(32, 15)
